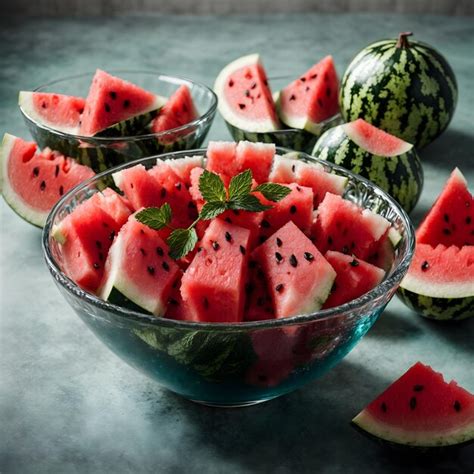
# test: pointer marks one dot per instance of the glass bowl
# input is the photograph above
(234, 364)
(294, 138)
(102, 153)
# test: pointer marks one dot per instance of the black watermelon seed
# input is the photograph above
(252, 264)
(142, 251)
(142, 232)
(307, 88)
(42, 186)
(215, 245)
(242, 106)
(457, 406)
(96, 265)
(228, 237)
(418, 388)
(126, 104)
(228, 219)
(56, 171)
(260, 274)
(293, 209)
(253, 86)
(320, 102)
(413, 403)
(249, 288)
(328, 92)
(165, 266)
(163, 192)
(247, 92)
(279, 287)
(242, 249)
(329, 240)
(446, 232)
(173, 302)
(101, 256)
(314, 76)
(159, 251)
(293, 168)
(265, 224)
(98, 244)
(383, 407)
(303, 79)
(354, 263)
(150, 270)
(262, 239)
(199, 249)
(424, 266)
(278, 257)
(265, 82)
(112, 235)
(298, 189)
(44, 105)
(107, 107)
(292, 97)
(279, 242)
(446, 218)
(334, 287)
(36, 171)
(308, 256)
(61, 190)
(205, 303)
(468, 220)
(113, 95)
(293, 261)
(178, 186)
(231, 83)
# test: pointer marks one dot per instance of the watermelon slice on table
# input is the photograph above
(451, 219)
(310, 99)
(58, 111)
(213, 285)
(354, 278)
(139, 274)
(245, 99)
(420, 410)
(112, 101)
(31, 182)
(298, 276)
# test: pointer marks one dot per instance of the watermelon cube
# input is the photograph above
(298, 276)
(221, 158)
(283, 170)
(183, 167)
(258, 157)
(213, 285)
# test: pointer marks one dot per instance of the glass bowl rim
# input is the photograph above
(108, 140)
(352, 307)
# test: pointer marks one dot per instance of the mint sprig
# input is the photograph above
(218, 200)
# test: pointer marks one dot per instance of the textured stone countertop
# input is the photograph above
(68, 405)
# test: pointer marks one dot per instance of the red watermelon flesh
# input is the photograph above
(298, 276)
(183, 167)
(283, 170)
(344, 227)
(354, 278)
(213, 285)
(311, 98)
(451, 219)
(112, 100)
(138, 268)
(221, 158)
(245, 99)
(59, 111)
(258, 301)
(296, 207)
(374, 140)
(420, 409)
(33, 181)
(444, 272)
(177, 307)
(113, 204)
(178, 110)
(257, 157)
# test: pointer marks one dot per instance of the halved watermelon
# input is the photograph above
(112, 100)
(310, 99)
(420, 410)
(58, 111)
(31, 182)
(245, 99)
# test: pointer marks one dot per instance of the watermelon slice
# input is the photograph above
(420, 410)
(183, 166)
(178, 111)
(258, 157)
(354, 278)
(283, 170)
(258, 301)
(138, 272)
(451, 219)
(298, 276)
(245, 99)
(343, 226)
(58, 111)
(213, 285)
(112, 100)
(221, 158)
(32, 182)
(310, 99)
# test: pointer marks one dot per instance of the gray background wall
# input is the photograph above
(109, 7)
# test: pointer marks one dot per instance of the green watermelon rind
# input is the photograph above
(440, 309)
(381, 98)
(401, 176)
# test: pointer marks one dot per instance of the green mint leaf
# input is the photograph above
(155, 217)
(240, 185)
(249, 202)
(273, 192)
(211, 210)
(181, 241)
(211, 187)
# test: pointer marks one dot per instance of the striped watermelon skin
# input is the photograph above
(408, 91)
(401, 176)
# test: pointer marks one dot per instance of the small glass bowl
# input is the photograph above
(102, 153)
(234, 364)
(294, 138)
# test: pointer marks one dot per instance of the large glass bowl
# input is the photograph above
(234, 364)
(102, 153)
(294, 138)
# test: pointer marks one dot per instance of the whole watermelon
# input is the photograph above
(405, 88)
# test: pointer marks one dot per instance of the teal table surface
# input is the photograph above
(68, 405)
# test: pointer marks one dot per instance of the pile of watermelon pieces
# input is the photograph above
(311, 250)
